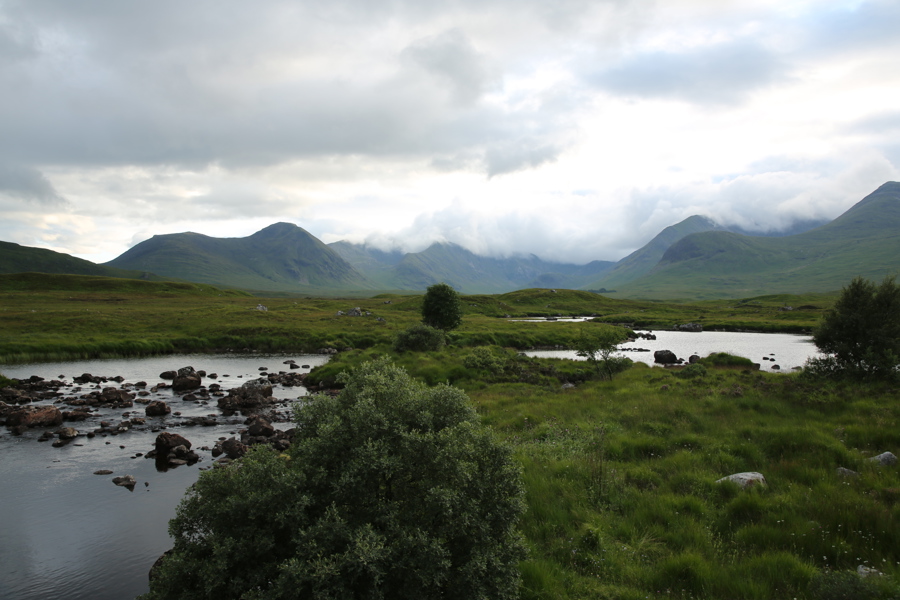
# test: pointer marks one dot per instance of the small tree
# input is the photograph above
(597, 346)
(391, 490)
(441, 307)
(861, 333)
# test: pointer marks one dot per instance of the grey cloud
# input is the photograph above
(29, 184)
(17, 42)
(202, 83)
(722, 73)
(516, 155)
(451, 58)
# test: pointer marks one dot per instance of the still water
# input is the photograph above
(789, 351)
(66, 533)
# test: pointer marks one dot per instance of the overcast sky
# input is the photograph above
(572, 129)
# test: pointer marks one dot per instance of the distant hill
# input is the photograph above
(280, 258)
(641, 261)
(25, 259)
(376, 264)
(696, 258)
(864, 241)
(464, 270)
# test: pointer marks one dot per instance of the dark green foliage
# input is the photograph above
(441, 307)
(483, 357)
(390, 490)
(420, 338)
(692, 371)
(723, 359)
(862, 331)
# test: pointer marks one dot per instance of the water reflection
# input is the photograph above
(67, 533)
(788, 351)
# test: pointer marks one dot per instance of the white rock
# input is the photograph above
(745, 480)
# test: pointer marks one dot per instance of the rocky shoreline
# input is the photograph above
(88, 406)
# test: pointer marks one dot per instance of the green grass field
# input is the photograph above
(621, 476)
(53, 317)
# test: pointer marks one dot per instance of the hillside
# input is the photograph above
(25, 259)
(280, 258)
(864, 241)
(641, 261)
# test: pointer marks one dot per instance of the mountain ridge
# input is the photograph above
(694, 258)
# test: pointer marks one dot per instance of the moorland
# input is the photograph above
(621, 476)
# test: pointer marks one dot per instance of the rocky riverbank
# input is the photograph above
(69, 412)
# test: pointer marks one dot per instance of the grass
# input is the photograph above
(58, 317)
(621, 478)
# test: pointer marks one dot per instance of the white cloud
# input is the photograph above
(574, 130)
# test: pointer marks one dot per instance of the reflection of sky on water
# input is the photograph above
(66, 533)
(788, 350)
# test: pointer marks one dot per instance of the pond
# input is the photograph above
(67, 533)
(784, 350)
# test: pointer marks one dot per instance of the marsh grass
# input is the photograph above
(622, 493)
(58, 317)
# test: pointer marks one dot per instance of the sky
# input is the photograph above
(575, 130)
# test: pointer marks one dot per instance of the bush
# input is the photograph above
(420, 338)
(390, 490)
(723, 359)
(692, 371)
(483, 357)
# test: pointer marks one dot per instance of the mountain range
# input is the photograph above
(696, 258)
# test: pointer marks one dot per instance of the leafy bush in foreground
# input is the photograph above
(389, 490)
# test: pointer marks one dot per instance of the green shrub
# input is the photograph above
(692, 371)
(723, 359)
(483, 357)
(389, 490)
(420, 338)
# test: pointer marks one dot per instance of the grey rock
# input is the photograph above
(745, 480)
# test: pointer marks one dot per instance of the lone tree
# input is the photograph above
(861, 333)
(597, 346)
(389, 490)
(441, 307)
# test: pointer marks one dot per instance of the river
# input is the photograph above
(67, 533)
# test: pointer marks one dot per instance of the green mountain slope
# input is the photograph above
(25, 259)
(863, 241)
(280, 258)
(642, 261)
